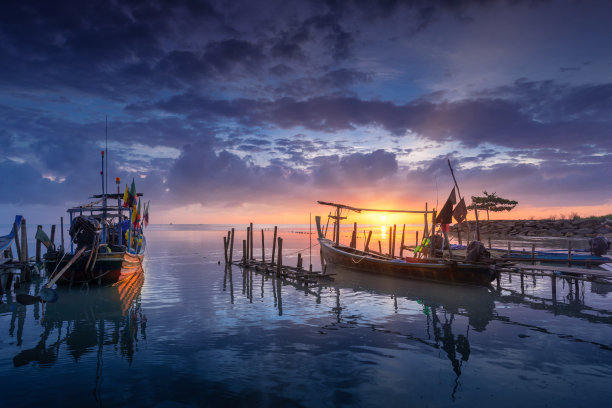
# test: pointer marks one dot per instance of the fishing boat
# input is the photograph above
(109, 238)
(422, 267)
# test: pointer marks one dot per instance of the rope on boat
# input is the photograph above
(353, 259)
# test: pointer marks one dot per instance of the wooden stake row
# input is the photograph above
(276, 264)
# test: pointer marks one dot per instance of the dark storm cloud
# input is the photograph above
(530, 114)
(110, 48)
(215, 80)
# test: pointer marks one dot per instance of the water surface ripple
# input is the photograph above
(190, 332)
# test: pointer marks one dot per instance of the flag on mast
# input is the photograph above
(145, 217)
(132, 197)
(126, 197)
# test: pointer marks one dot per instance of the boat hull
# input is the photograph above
(109, 268)
(438, 271)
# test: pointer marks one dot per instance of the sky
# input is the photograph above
(238, 111)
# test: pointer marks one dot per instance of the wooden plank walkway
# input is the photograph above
(289, 273)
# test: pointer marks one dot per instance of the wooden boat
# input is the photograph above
(110, 256)
(114, 244)
(550, 256)
(426, 268)
(415, 268)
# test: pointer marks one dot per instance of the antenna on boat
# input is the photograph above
(106, 167)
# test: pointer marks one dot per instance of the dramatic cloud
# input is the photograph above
(237, 104)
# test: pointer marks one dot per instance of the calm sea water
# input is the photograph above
(192, 333)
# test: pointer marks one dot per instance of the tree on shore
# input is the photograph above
(492, 202)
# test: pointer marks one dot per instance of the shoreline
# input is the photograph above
(578, 228)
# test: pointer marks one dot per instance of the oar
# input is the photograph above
(47, 294)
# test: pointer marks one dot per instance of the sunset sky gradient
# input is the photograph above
(252, 111)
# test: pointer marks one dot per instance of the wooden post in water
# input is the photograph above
(225, 248)
(248, 238)
(25, 269)
(367, 243)
(416, 242)
(17, 242)
(569, 253)
(62, 231)
(244, 251)
(24, 241)
(251, 247)
(354, 236)
(280, 257)
(263, 249)
(393, 241)
(38, 244)
(390, 239)
(401, 254)
(532, 255)
(380, 247)
(509, 249)
(299, 261)
(52, 238)
(231, 252)
(273, 246)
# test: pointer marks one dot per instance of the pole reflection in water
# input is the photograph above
(88, 320)
(450, 313)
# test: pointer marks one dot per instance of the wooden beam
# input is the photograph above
(356, 209)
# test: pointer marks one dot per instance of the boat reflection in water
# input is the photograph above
(438, 305)
(441, 305)
(85, 320)
(454, 332)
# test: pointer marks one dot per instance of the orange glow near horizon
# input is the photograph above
(290, 213)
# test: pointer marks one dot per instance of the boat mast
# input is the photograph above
(106, 167)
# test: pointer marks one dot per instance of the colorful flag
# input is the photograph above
(126, 197)
(133, 197)
(145, 217)
(134, 214)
